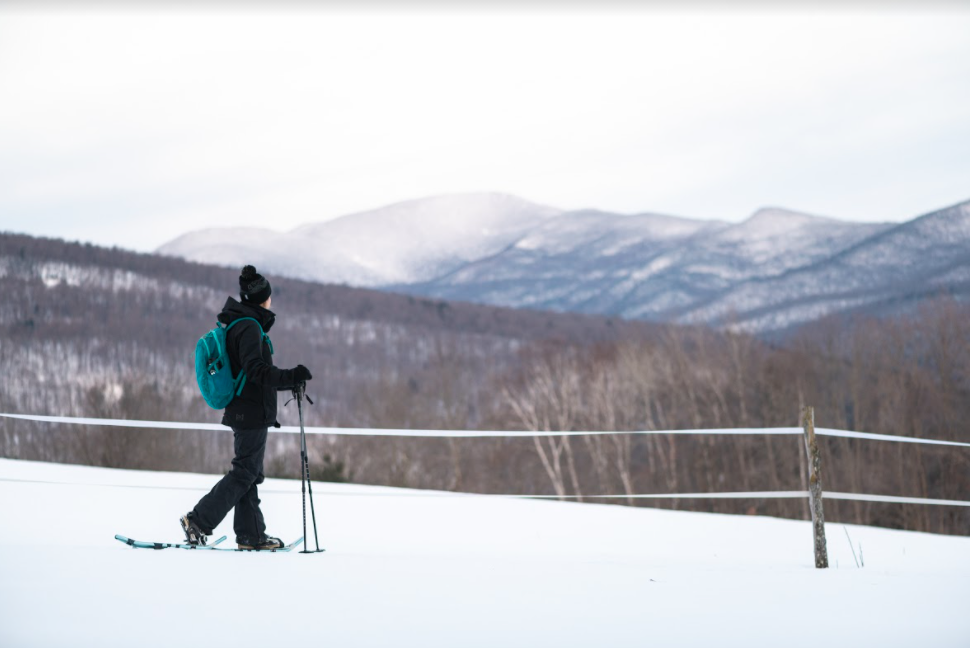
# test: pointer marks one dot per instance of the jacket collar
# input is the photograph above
(234, 309)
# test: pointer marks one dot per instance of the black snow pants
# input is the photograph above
(238, 489)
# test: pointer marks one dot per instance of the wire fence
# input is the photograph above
(785, 431)
(475, 434)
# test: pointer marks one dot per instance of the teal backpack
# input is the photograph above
(212, 368)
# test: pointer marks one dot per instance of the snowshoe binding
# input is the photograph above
(266, 543)
(194, 535)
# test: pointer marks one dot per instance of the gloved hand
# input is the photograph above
(301, 374)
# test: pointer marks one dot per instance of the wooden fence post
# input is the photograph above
(815, 487)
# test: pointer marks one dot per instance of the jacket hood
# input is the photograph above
(234, 309)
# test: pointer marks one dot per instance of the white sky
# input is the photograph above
(130, 128)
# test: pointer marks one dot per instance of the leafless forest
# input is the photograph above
(87, 331)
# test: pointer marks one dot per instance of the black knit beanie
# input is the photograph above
(253, 287)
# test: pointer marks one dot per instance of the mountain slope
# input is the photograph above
(580, 262)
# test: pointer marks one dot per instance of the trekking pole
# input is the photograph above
(303, 473)
(306, 485)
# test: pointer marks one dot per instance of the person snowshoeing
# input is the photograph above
(249, 415)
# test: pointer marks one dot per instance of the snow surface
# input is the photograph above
(406, 568)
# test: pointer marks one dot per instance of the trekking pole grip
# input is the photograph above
(299, 392)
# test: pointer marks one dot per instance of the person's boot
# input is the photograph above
(267, 543)
(194, 535)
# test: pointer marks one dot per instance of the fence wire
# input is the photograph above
(215, 427)
(476, 434)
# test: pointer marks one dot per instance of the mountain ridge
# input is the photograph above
(501, 250)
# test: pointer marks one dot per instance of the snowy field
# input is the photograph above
(452, 571)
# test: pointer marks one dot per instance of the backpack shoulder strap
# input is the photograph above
(261, 331)
(242, 319)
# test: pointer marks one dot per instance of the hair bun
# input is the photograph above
(248, 272)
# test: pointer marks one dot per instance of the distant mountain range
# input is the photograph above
(777, 269)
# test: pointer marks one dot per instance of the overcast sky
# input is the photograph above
(130, 128)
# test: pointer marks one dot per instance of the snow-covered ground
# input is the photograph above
(405, 569)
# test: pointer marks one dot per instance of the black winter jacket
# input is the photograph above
(255, 406)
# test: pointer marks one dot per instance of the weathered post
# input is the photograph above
(815, 487)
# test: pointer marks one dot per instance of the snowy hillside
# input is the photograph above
(407, 568)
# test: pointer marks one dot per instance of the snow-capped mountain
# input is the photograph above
(776, 269)
(647, 266)
(411, 241)
(891, 270)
